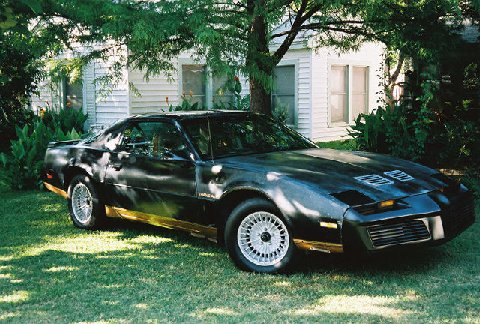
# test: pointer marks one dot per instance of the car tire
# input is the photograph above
(86, 209)
(258, 239)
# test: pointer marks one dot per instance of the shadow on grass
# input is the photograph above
(51, 271)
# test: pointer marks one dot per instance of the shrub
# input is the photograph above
(387, 130)
(22, 166)
(232, 86)
(10, 118)
(66, 119)
(448, 137)
(185, 105)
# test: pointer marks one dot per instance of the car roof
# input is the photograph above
(191, 114)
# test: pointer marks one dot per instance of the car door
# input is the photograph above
(153, 172)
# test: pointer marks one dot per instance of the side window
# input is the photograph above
(199, 136)
(154, 139)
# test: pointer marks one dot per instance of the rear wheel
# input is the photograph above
(86, 209)
(258, 238)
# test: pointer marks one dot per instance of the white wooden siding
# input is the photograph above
(152, 94)
(302, 60)
(370, 54)
(319, 85)
(44, 96)
(89, 95)
(112, 102)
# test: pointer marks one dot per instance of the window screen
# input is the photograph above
(283, 94)
(339, 93)
(359, 91)
(221, 95)
(73, 95)
(194, 83)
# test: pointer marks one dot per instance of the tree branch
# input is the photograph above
(299, 20)
(393, 78)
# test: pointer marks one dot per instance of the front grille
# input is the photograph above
(458, 217)
(374, 180)
(399, 233)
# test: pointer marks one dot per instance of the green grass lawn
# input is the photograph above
(51, 271)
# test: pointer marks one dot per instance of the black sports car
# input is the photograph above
(258, 187)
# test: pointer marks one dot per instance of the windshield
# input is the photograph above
(242, 134)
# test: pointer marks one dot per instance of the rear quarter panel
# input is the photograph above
(64, 162)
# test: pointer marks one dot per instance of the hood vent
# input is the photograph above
(352, 197)
(399, 175)
(374, 180)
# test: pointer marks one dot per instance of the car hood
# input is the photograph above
(333, 171)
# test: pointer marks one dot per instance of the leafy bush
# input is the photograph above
(472, 181)
(454, 140)
(387, 130)
(471, 81)
(185, 105)
(66, 119)
(435, 132)
(10, 118)
(22, 166)
(232, 86)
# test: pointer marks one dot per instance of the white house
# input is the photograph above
(323, 91)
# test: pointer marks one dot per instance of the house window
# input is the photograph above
(198, 85)
(359, 91)
(339, 94)
(348, 92)
(194, 83)
(71, 94)
(283, 92)
(221, 95)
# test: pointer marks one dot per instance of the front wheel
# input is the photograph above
(258, 239)
(86, 209)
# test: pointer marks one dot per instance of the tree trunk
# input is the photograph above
(260, 99)
(259, 61)
(392, 80)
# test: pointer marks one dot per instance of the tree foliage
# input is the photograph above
(252, 36)
(245, 36)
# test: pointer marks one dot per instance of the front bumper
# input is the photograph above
(429, 219)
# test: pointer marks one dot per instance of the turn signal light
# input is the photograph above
(386, 204)
(329, 225)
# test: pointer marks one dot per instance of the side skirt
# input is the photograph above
(194, 229)
(56, 190)
(319, 246)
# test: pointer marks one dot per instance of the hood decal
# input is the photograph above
(399, 175)
(377, 180)
(374, 180)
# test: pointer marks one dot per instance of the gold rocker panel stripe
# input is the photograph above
(319, 246)
(56, 190)
(171, 223)
(207, 231)
(194, 229)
